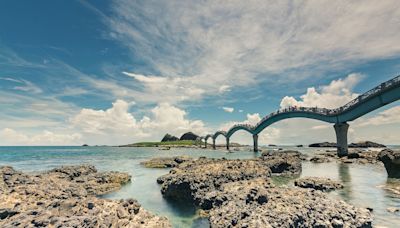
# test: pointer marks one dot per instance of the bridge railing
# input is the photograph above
(330, 112)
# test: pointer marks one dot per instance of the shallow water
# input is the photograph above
(363, 183)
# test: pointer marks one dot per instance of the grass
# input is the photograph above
(171, 143)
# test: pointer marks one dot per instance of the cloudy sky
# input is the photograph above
(117, 72)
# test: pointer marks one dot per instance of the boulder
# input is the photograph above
(191, 180)
(169, 138)
(391, 160)
(282, 162)
(322, 184)
(189, 136)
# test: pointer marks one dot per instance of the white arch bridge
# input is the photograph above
(383, 94)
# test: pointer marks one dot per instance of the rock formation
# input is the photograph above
(169, 138)
(165, 162)
(317, 183)
(391, 160)
(282, 162)
(66, 197)
(189, 136)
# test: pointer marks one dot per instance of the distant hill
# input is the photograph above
(169, 138)
(351, 145)
(189, 136)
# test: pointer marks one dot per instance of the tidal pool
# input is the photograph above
(364, 184)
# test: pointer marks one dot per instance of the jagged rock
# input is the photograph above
(322, 184)
(189, 136)
(282, 162)
(165, 162)
(169, 138)
(66, 197)
(191, 180)
(391, 160)
(265, 206)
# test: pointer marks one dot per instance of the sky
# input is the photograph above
(122, 71)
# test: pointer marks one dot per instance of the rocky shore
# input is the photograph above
(67, 197)
(241, 193)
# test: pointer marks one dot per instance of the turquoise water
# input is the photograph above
(363, 183)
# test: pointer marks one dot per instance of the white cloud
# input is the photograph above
(214, 46)
(240, 110)
(268, 135)
(334, 95)
(11, 137)
(389, 116)
(117, 125)
(228, 109)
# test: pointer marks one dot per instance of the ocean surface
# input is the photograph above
(363, 183)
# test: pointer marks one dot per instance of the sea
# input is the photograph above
(364, 184)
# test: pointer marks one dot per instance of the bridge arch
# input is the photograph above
(371, 100)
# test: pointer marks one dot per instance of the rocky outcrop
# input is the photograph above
(323, 144)
(165, 162)
(391, 160)
(169, 138)
(66, 197)
(282, 162)
(192, 180)
(366, 144)
(322, 184)
(285, 207)
(189, 136)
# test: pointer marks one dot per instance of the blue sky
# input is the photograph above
(115, 72)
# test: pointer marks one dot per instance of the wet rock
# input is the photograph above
(391, 160)
(393, 209)
(319, 159)
(190, 181)
(66, 197)
(322, 184)
(168, 162)
(285, 207)
(282, 162)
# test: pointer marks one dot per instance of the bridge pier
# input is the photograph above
(214, 144)
(227, 143)
(341, 138)
(205, 143)
(255, 142)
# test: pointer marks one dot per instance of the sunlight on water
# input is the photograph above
(363, 183)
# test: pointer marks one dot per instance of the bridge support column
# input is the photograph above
(205, 143)
(341, 138)
(214, 144)
(227, 143)
(255, 142)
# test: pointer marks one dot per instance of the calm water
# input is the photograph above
(363, 183)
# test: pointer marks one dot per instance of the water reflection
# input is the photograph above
(345, 178)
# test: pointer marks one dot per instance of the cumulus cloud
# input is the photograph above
(228, 109)
(334, 95)
(118, 124)
(12, 137)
